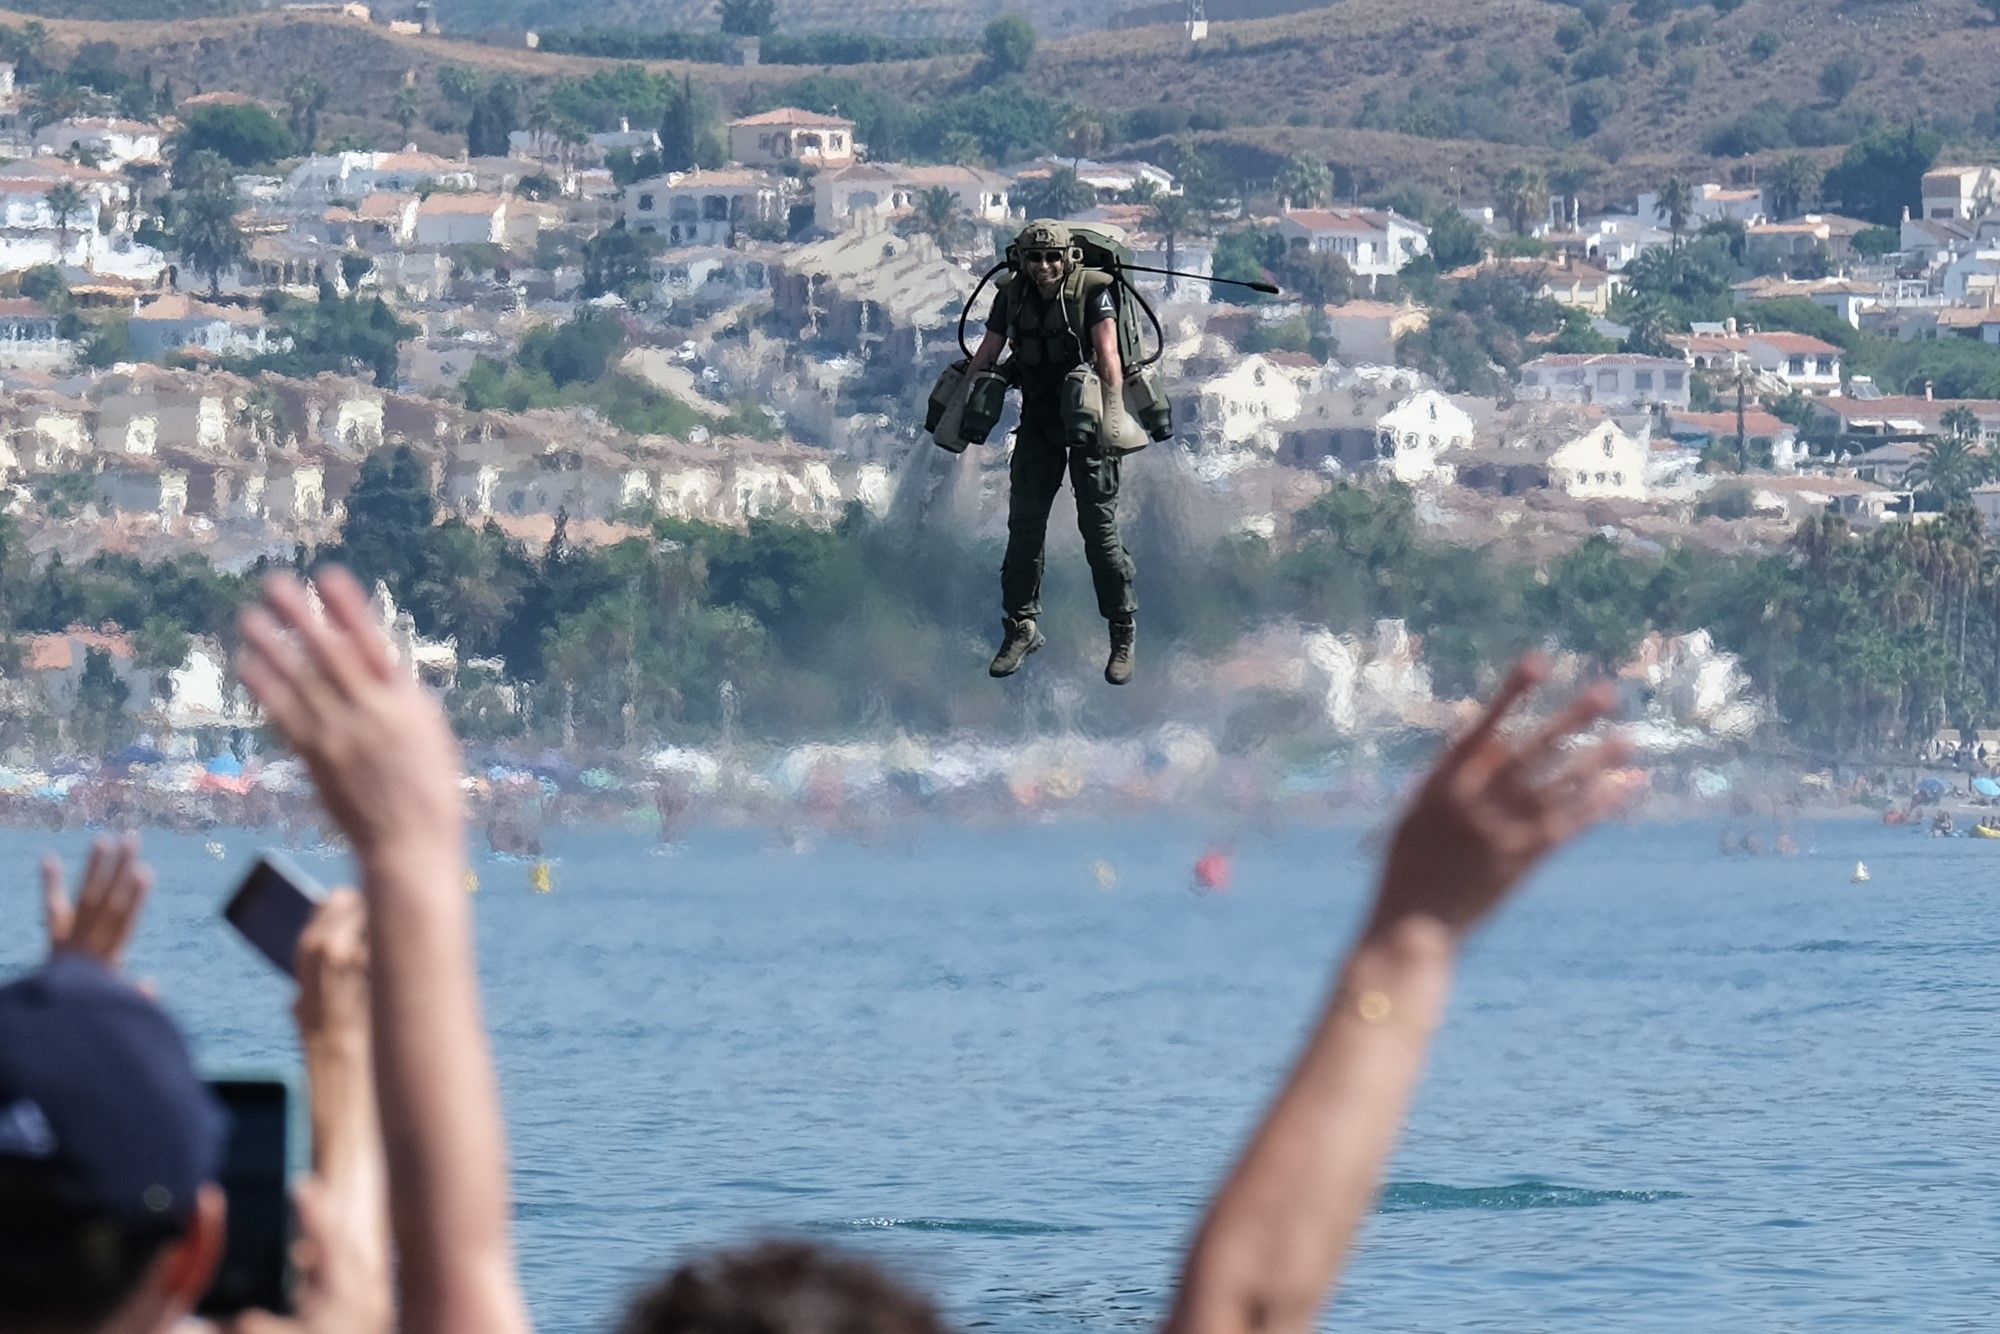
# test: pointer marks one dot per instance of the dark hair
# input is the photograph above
(780, 1287)
(61, 1271)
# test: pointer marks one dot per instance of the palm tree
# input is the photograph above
(1144, 190)
(1568, 178)
(1060, 194)
(1676, 203)
(937, 213)
(1523, 196)
(1172, 216)
(65, 201)
(305, 99)
(1961, 422)
(1948, 467)
(1306, 182)
(1819, 538)
(404, 109)
(1084, 137)
(206, 235)
(1794, 186)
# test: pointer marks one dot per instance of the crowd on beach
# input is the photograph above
(112, 1205)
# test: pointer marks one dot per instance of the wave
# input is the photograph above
(977, 1227)
(1429, 1197)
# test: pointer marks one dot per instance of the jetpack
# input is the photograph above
(965, 407)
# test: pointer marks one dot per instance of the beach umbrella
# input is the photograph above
(225, 765)
(1986, 787)
(1932, 787)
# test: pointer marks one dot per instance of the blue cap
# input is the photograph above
(99, 1099)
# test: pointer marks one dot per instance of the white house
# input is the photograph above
(882, 190)
(175, 320)
(1798, 362)
(24, 207)
(1107, 178)
(1614, 240)
(711, 278)
(1365, 332)
(31, 337)
(1246, 405)
(1972, 278)
(1610, 379)
(1761, 430)
(351, 175)
(787, 134)
(444, 220)
(1710, 203)
(1960, 192)
(1374, 242)
(1846, 297)
(1379, 427)
(1602, 464)
(114, 141)
(623, 139)
(703, 207)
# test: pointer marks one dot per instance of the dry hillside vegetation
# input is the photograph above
(1448, 92)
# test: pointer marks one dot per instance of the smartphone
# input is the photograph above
(255, 1272)
(272, 906)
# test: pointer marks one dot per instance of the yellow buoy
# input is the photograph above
(539, 879)
(471, 881)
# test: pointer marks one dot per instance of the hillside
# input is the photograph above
(925, 18)
(1388, 91)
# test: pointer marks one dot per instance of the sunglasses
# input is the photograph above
(1045, 257)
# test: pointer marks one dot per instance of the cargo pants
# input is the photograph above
(1033, 478)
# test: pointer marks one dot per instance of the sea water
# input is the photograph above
(1676, 1091)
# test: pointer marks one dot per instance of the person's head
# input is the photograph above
(1044, 248)
(780, 1287)
(110, 1218)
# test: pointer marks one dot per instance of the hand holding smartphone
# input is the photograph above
(255, 1273)
(271, 908)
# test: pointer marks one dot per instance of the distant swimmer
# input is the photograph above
(1211, 872)
(1105, 875)
(1860, 876)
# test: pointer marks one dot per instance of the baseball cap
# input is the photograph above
(99, 1100)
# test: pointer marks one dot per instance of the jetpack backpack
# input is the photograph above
(968, 407)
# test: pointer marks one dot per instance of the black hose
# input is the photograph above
(1159, 334)
(966, 309)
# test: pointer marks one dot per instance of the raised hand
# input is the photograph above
(332, 968)
(99, 924)
(378, 747)
(1282, 1224)
(1493, 806)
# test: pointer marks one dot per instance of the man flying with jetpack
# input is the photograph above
(1089, 395)
(1056, 316)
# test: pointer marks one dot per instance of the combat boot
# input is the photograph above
(1023, 638)
(1118, 667)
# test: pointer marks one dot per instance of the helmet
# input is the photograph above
(1046, 234)
(1043, 234)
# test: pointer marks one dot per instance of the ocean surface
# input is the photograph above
(1676, 1091)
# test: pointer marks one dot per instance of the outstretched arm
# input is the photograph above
(1280, 1227)
(386, 766)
